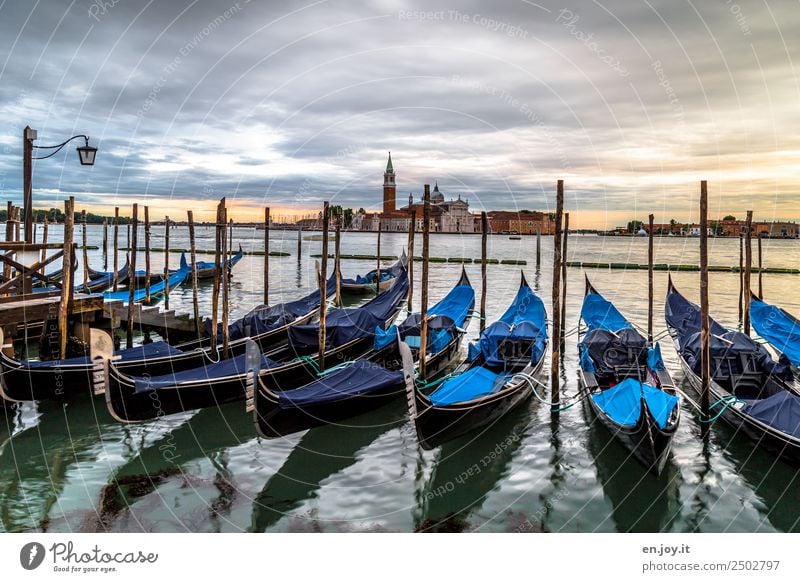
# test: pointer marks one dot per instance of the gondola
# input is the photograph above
(366, 284)
(497, 376)
(365, 384)
(101, 280)
(157, 290)
(350, 333)
(779, 327)
(747, 387)
(205, 269)
(629, 390)
(268, 327)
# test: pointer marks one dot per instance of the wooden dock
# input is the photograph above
(168, 324)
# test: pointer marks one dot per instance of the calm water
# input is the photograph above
(71, 468)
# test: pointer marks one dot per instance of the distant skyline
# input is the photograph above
(288, 104)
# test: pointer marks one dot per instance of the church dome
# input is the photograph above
(437, 197)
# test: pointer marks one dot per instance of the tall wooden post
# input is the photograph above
(705, 335)
(323, 286)
(748, 265)
(225, 279)
(193, 258)
(412, 227)
(426, 228)
(217, 269)
(105, 244)
(484, 235)
(555, 343)
(741, 276)
(538, 247)
(337, 267)
(85, 255)
(564, 236)
(266, 256)
(650, 279)
(760, 269)
(166, 262)
(378, 266)
(299, 242)
(27, 187)
(116, 247)
(44, 240)
(147, 253)
(134, 226)
(67, 286)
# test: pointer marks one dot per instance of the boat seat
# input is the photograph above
(630, 371)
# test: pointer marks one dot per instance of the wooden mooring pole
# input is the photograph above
(411, 232)
(378, 265)
(115, 262)
(650, 237)
(705, 336)
(426, 228)
(323, 286)
(337, 267)
(741, 276)
(484, 235)
(67, 285)
(105, 244)
(266, 256)
(748, 266)
(218, 225)
(133, 225)
(193, 258)
(147, 254)
(166, 262)
(85, 253)
(564, 236)
(538, 247)
(555, 343)
(760, 269)
(225, 280)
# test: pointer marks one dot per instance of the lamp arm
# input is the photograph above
(58, 147)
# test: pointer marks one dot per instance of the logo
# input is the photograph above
(31, 555)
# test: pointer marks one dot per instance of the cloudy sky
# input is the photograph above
(287, 104)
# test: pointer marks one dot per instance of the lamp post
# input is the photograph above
(86, 155)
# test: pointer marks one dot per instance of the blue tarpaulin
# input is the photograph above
(231, 367)
(472, 384)
(599, 313)
(623, 402)
(737, 348)
(347, 324)
(360, 378)
(451, 311)
(152, 350)
(780, 411)
(778, 327)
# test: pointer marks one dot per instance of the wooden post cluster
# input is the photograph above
(217, 268)
(133, 226)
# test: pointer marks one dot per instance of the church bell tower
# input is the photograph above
(389, 188)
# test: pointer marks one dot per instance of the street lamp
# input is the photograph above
(86, 155)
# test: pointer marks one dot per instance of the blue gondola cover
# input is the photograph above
(781, 411)
(472, 384)
(623, 402)
(358, 379)
(777, 327)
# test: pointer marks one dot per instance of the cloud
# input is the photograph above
(288, 104)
